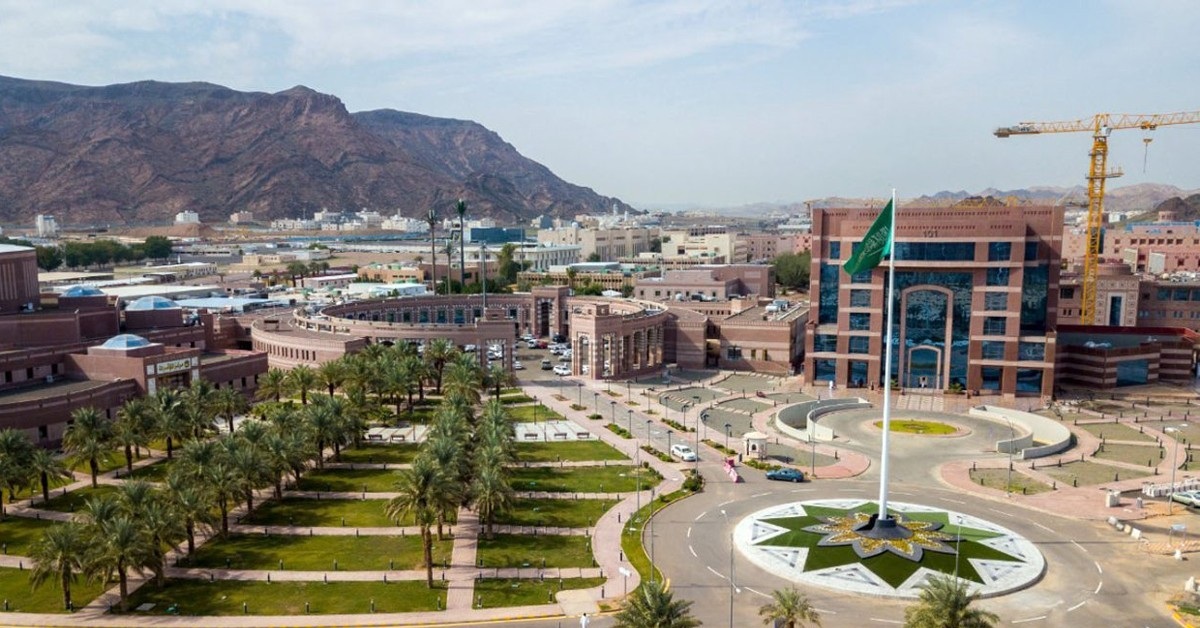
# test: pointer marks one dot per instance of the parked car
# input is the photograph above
(517, 366)
(683, 452)
(547, 365)
(559, 338)
(1187, 498)
(562, 370)
(786, 474)
(469, 348)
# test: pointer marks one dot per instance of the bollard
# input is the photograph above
(335, 564)
(245, 608)
(372, 605)
(306, 608)
(325, 578)
(268, 577)
(280, 564)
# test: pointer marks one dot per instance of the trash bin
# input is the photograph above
(1138, 502)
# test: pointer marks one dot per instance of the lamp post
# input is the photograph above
(1174, 465)
(579, 386)
(629, 421)
(957, 545)
(732, 576)
(1011, 436)
(647, 430)
(613, 406)
(669, 432)
(727, 426)
(596, 401)
(812, 470)
(637, 461)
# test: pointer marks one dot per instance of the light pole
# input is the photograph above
(637, 461)
(647, 430)
(579, 385)
(957, 545)
(812, 471)
(629, 421)
(669, 432)
(652, 567)
(1174, 465)
(1011, 436)
(596, 400)
(727, 426)
(732, 576)
(613, 406)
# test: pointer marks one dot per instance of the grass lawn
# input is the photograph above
(225, 597)
(35, 490)
(996, 478)
(919, 427)
(571, 451)
(1089, 473)
(156, 472)
(557, 513)
(115, 460)
(20, 533)
(317, 553)
(358, 513)
(1147, 455)
(526, 414)
(513, 399)
(75, 499)
(543, 550)
(1115, 431)
(381, 454)
(14, 587)
(503, 592)
(614, 479)
(350, 480)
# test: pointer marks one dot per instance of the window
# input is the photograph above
(1035, 288)
(1162, 294)
(1180, 294)
(1029, 380)
(997, 276)
(994, 325)
(824, 370)
(995, 301)
(860, 344)
(992, 349)
(1031, 251)
(860, 298)
(1031, 352)
(935, 251)
(999, 251)
(863, 277)
(734, 353)
(991, 376)
(43, 432)
(835, 250)
(1115, 306)
(827, 308)
(825, 342)
(1066, 293)
(860, 321)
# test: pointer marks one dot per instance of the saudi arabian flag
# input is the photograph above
(876, 244)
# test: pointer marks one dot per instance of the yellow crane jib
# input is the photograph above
(1100, 126)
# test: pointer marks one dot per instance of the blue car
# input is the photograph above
(786, 475)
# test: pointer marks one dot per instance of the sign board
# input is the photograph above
(174, 366)
(624, 572)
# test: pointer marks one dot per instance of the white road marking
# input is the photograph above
(689, 533)
(693, 552)
(825, 612)
(1022, 621)
(952, 501)
(1077, 606)
(803, 490)
(726, 502)
(715, 572)
(1079, 546)
(1098, 567)
(1000, 512)
(886, 621)
(1042, 527)
(758, 592)
(899, 493)
(1098, 586)
(761, 494)
(701, 515)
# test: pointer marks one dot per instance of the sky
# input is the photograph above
(682, 102)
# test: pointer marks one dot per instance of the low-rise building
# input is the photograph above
(709, 283)
(187, 217)
(606, 244)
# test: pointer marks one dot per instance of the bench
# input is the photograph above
(398, 438)
(531, 436)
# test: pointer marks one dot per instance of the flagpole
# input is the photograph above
(887, 367)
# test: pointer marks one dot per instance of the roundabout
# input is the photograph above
(827, 543)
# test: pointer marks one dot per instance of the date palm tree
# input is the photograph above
(221, 482)
(463, 379)
(133, 428)
(448, 456)
(327, 427)
(272, 385)
(331, 375)
(164, 527)
(248, 467)
(498, 377)
(194, 504)
(302, 379)
(117, 546)
(15, 452)
(946, 603)
(652, 605)
(438, 353)
(88, 439)
(170, 419)
(789, 608)
(58, 556)
(417, 489)
(228, 403)
(431, 219)
(45, 466)
(491, 495)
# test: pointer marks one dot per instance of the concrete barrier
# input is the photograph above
(1053, 436)
(787, 419)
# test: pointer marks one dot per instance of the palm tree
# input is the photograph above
(164, 527)
(431, 219)
(15, 452)
(168, 410)
(789, 608)
(221, 482)
(194, 505)
(272, 385)
(417, 488)
(331, 375)
(461, 209)
(491, 494)
(946, 603)
(59, 555)
(463, 379)
(438, 352)
(118, 545)
(88, 439)
(249, 469)
(302, 379)
(653, 606)
(230, 402)
(325, 421)
(44, 465)
(499, 377)
(448, 456)
(571, 274)
(133, 427)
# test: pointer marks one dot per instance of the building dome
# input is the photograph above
(125, 341)
(82, 291)
(152, 303)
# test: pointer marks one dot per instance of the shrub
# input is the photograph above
(656, 453)
(618, 430)
(595, 417)
(679, 427)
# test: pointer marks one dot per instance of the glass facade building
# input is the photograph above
(975, 300)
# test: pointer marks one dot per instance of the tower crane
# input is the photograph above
(1100, 125)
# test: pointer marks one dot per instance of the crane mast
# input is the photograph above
(1100, 125)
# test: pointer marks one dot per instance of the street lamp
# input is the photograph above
(579, 385)
(669, 432)
(957, 545)
(613, 405)
(812, 471)
(732, 581)
(596, 400)
(629, 421)
(727, 426)
(1011, 437)
(1174, 465)
(647, 430)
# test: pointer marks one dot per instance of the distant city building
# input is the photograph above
(608, 244)
(1128, 299)
(495, 235)
(242, 217)
(764, 247)
(396, 222)
(46, 225)
(187, 217)
(704, 242)
(709, 283)
(391, 273)
(295, 224)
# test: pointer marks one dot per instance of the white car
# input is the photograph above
(469, 348)
(517, 366)
(562, 370)
(1187, 498)
(683, 452)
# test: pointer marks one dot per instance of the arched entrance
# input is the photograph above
(926, 333)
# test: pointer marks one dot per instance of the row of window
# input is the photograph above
(1177, 294)
(946, 251)
(1028, 380)
(991, 349)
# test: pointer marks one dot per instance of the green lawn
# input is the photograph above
(1115, 431)
(503, 592)
(543, 550)
(14, 587)
(75, 499)
(115, 460)
(557, 513)
(1089, 473)
(20, 533)
(381, 454)
(35, 490)
(156, 472)
(525, 414)
(350, 480)
(571, 451)
(614, 479)
(919, 427)
(225, 597)
(997, 478)
(358, 513)
(317, 553)
(1146, 455)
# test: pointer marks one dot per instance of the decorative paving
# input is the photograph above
(817, 542)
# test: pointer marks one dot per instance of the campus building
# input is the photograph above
(976, 300)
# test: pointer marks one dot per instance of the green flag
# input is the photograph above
(876, 244)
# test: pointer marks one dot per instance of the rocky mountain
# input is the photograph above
(1180, 209)
(138, 153)
(1139, 197)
